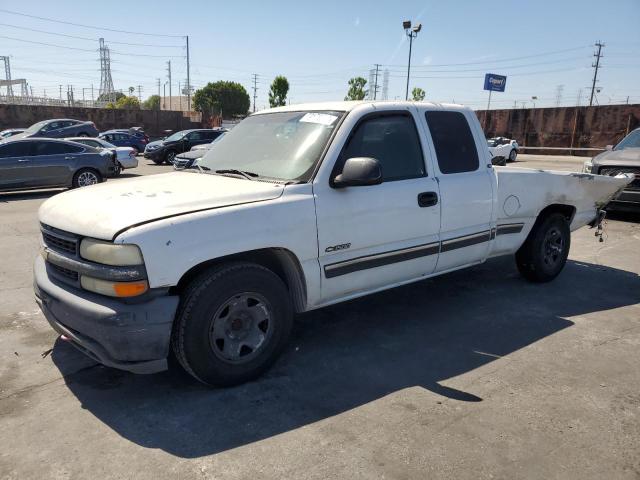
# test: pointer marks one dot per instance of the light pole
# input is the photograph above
(533, 100)
(412, 32)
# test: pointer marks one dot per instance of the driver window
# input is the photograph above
(393, 141)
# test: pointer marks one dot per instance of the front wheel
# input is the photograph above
(232, 323)
(543, 255)
(170, 157)
(512, 155)
(85, 177)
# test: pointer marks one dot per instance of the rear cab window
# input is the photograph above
(453, 141)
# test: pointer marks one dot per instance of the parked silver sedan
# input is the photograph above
(45, 162)
(125, 156)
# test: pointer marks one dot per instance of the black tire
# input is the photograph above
(513, 154)
(83, 134)
(158, 161)
(543, 255)
(170, 156)
(194, 340)
(79, 176)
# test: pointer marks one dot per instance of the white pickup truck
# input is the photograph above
(294, 209)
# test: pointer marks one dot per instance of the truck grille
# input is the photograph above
(613, 171)
(64, 272)
(60, 242)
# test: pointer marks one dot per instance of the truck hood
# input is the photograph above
(102, 211)
(624, 157)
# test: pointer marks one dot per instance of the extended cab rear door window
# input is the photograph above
(452, 138)
(393, 140)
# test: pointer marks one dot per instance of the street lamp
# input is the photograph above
(533, 99)
(412, 32)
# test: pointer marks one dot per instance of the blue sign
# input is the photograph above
(495, 83)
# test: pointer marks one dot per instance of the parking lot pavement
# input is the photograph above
(476, 374)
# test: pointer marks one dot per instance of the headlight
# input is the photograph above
(588, 166)
(114, 289)
(109, 253)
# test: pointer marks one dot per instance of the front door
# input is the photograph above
(15, 164)
(370, 237)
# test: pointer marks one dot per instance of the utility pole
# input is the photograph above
(559, 90)
(140, 94)
(255, 89)
(579, 99)
(93, 103)
(158, 87)
(596, 65)
(169, 72)
(375, 85)
(188, 77)
(179, 96)
(411, 32)
(60, 92)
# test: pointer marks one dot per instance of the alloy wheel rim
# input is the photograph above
(241, 327)
(553, 247)
(87, 178)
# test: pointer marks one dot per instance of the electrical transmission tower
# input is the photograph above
(370, 92)
(255, 89)
(385, 85)
(376, 87)
(596, 65)
(7, 76)
(106, 82)
(559, 90)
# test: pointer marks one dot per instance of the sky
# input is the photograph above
(542, 46)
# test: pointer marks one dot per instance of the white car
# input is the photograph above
(125, 156)
(503, 150)
(296, 208)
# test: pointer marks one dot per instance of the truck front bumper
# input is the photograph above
(133, 337)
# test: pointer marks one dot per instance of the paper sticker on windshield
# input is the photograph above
(321, 118)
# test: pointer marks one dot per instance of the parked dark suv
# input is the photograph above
(166, 150)
(43, 162)
(59, 128)
(122, 138)
(622, 158)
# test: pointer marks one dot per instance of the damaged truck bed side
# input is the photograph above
(296, 208)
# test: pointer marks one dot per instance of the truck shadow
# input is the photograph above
(351, 354)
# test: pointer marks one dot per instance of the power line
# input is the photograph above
(499, 60)
(89, 26)
(90, 39)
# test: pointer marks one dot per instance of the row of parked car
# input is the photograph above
(73, 153)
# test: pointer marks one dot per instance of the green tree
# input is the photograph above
(107, 98)
(418, 94)
(278, 91)
(128, 103)
(356, 89)
(131, 90)
(228, 98)
(152, 103)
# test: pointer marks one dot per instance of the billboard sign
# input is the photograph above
(494, 83)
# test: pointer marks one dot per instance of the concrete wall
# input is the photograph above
(154, 122)
(563, 126)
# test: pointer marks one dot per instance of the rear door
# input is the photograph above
(15, 165)
(466, 188)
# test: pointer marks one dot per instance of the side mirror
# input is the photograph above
(359, 172)
(609, 147)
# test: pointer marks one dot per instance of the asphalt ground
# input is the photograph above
(475, 374)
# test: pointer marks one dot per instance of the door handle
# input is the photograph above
(23, 160)
(69, 158)
(427, 199)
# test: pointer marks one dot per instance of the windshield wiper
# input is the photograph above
(199, 167)
(243, 173)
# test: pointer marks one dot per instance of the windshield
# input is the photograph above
(35, 127)
(492, 142)
(630, 141)
(175, 136)
(283, 146)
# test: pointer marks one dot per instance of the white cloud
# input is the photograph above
(356, 22)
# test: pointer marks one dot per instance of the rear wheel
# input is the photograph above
(544, 254)
(85, 177)
(83, 134)
(117, 169)
(232, 323)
